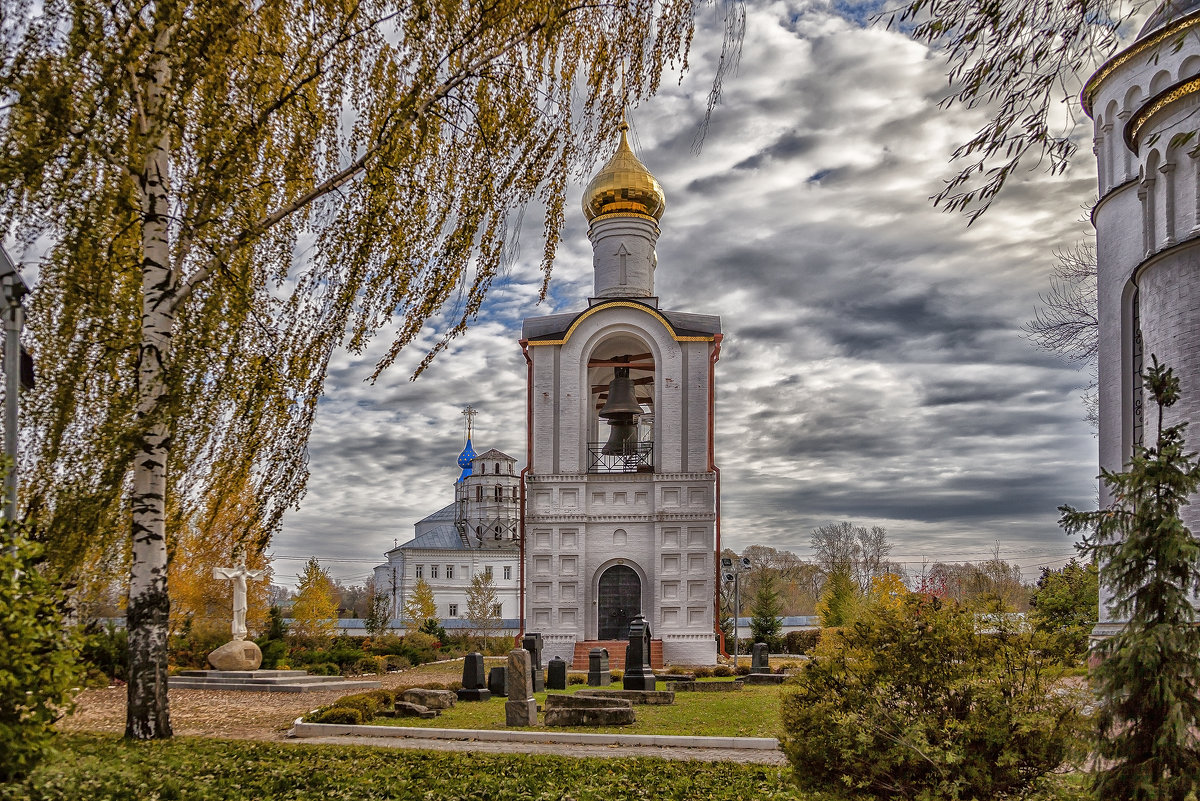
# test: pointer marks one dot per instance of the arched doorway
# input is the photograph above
(619, 600)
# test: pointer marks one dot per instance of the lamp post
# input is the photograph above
(12, 290)
(733, 570)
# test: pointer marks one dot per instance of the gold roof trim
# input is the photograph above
(1116, 61)
(617, 304)
(1165, 98)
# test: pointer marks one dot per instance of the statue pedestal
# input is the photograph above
(236, 655)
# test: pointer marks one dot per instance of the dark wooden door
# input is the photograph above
(620, 600)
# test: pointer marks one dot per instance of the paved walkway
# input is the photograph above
(701, 754)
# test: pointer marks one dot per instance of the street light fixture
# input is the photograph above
(733, 569)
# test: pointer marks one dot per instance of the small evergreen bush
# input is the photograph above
(801, 642)
(721, 670)
(336, 714)
(325, 669)
(914, 703)
(576, 678)
(742, 670)
(702, 672)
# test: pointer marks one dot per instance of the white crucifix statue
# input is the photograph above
(238, 576)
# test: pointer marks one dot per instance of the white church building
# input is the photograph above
(1143, 101)
(477, 533)
(622, 493)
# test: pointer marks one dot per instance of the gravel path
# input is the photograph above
(269, 716)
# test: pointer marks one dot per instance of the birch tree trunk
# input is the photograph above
(147, 716)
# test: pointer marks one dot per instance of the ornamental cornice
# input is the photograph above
(654, 517)
(1108, 67)
(612, 304)
(614, 478)
(1166, 97)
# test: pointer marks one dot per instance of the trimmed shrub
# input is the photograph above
(420, 647)
(104, 654)
(702, 672)
(801, 642)
(721, 671)
(742, 670)
(325, 669)
(913, 703)
(396, 662)
(576, 678)
(335, 714)
(616, 675)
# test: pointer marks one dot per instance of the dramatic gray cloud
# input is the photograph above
(872, 369)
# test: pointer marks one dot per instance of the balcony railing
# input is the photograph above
(637, 459)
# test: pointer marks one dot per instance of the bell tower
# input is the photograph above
(621, 493)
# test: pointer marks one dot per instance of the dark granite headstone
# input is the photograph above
(497, 679)
(474, 688)
(556, 674)
(758, 658)
(532, 642)
(638, 674)
(598, 673)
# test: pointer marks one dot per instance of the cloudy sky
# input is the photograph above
(873, 367)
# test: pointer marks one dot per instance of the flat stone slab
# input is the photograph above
(263, 681)
(650, 697)
(473, 694)
(766, 678)
(590, 716)
(434, 699)
(677, 677)
(406, 710)
(707, 686)
(583, 700)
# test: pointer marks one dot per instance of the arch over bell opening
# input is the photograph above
(621, 378)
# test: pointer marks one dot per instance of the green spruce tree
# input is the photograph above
(766, 607)
(1149, 676)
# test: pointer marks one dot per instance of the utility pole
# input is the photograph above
(12, 290)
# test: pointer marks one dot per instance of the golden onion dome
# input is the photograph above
(624, 185)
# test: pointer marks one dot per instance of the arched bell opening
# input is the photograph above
(620, 376)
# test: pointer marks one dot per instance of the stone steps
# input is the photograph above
(616, 653)
(263, 681)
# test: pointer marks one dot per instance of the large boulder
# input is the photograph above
(236, 655)
(432, 699)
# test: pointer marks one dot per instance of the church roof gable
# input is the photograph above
(441, 538)
(493, 454)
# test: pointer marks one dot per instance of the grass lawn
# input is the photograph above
(749, 712)
(104, 768)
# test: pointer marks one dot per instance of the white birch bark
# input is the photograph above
(147, 715)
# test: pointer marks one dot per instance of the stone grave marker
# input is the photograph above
(497, 681)
(556, 674)
(758, 658)
(532, 642)
(638, 674)
(473, 684)
(520, 709)
(598, 673)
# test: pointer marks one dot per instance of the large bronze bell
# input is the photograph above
(621, 410)
(621, 399)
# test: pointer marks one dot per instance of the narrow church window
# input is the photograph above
(497, 468)
(449, 571)
(479, 532)
(487, 570)
(420, 571)
(498, 494)
(433, 571)
(514, 494)
(508, 572)
(453, 610)
(497, 532)
(510, 468)
(479, 493)
(496, 610)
